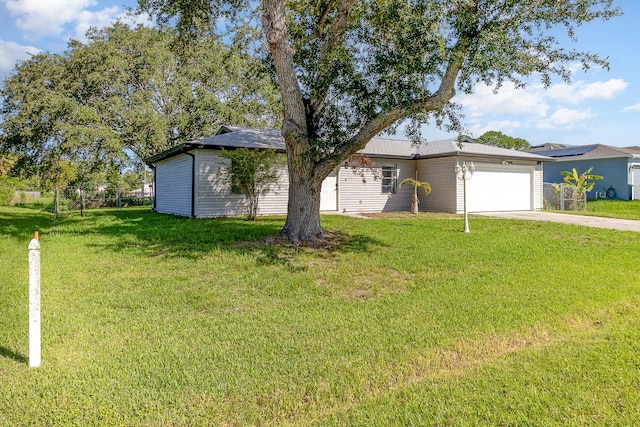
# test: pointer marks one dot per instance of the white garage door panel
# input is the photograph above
(636, 183)
(499, 190)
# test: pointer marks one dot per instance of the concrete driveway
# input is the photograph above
(587, 221)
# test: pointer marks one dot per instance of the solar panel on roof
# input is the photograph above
(564, 152)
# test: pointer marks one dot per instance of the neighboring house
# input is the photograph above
(619, 166)
(189, 178)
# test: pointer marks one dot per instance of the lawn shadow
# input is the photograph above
(10, 354)
(173, 236)
(21, 224)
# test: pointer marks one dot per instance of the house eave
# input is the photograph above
(484, 156)
(189, 146)
(574, 158)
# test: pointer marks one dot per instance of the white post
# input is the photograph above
(34, 302)
(466, 215)
(465, 172)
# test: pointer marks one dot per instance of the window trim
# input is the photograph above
(391, 187)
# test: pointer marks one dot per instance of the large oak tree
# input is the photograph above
(350, 69)
(125, 94)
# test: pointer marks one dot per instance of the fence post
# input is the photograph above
(34, 302)
(56, 197)
(81, 201)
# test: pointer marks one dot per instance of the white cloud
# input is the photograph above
(632, 108)
(86, 19)
(40, 18)
(106, 17)
(508, 100)
(504, 126)
(581, 91)
(11, 52)
(565, 118)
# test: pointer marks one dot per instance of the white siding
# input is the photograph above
(173, 185)
(538, 190)
(275, 201)
(365, 195)
(440, 175)
(213, 193)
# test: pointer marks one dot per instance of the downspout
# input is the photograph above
(193, 183)
(153, 204)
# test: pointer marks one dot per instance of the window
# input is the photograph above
(389, 178)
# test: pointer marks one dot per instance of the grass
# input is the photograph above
(625, 209)
(156, 320)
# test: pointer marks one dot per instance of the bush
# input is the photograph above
(8, 187)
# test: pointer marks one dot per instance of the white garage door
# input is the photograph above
(636, 182)
(500, 189)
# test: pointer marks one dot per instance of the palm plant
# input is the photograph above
(416, 184)
(581, 184)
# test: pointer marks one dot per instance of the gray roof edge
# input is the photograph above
(171, 152)
(451, 148)
(485, 155)
(585, 159)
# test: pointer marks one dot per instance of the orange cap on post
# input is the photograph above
(35, 235)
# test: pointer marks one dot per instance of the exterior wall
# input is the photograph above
(614, 171)
(214, 197)
(275, 201)
(535, 189)
(173, 185)
(354, 195)
(447, 192)
(440, 175)
(635, 180)
(538, 187)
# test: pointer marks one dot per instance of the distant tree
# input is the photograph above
(61, 173)
(252, 173)
(499, 139)
(126, 94)
(348, 70)
(131, 181)
(8, 187)
(7, 162)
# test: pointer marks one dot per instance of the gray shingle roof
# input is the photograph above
(244, 137)
(379, 147)
(595, 151)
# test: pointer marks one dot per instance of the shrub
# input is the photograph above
(8, 187)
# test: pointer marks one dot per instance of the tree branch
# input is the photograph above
(333, 38)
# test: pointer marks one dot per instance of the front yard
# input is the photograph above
(626, 209)
(156, 320)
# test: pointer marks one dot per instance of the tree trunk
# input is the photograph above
(414, 204)
(303, 210)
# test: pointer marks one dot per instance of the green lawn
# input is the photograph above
(628, 209)
(160, 321)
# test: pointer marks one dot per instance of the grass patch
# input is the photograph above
(624, 209)
(156, 320)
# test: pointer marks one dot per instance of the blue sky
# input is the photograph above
(599, 106)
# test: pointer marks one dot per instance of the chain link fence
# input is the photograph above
(83, 198)
(563, 197)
